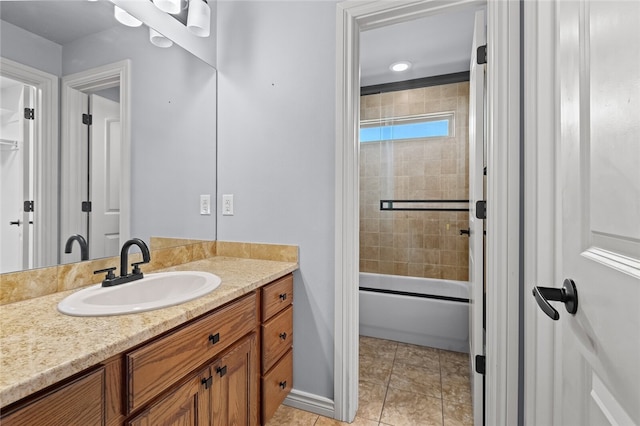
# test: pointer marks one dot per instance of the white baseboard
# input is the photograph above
(309, 402)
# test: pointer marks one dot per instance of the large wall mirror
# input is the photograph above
(137, 170)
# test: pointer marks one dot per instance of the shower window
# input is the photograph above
(413, 127)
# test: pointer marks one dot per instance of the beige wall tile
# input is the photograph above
(282, 253)
(233, 249)
(81, 274)
(417, 169)
(18, 286)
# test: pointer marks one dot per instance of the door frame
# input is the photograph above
(503, 182)
(96, 78)
(541, 130)
(46, 147)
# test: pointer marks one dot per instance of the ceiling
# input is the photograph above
(435, 45)
(44, 18)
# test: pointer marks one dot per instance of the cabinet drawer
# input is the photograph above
(155, 366)
(79, 402)
(276, 386)
(277, 337)
(277, 296)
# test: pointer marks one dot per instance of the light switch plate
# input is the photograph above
(205, 204)
(227, 204)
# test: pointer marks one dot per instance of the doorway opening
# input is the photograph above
(414, 215)
(29, 157)
(95, 173)
(503, 182)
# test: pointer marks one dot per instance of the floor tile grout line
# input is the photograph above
(386, 390)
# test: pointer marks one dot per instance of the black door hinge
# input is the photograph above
(481, 209)
(481, 54)
(481, 364)
(28, 206)
(29, 114)
(86, 206)
(87, 119)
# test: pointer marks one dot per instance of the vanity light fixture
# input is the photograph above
(158, 39)
(199, 18)
(125, 18)
(169, 6)
(400, 66)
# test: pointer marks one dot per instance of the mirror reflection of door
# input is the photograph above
(94, 118)
(104, 177)
(16, 175)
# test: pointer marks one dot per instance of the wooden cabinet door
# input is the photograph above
(187, 405)
(234, 395)
(79, 402)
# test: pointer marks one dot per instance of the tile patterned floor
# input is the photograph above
(402, 385)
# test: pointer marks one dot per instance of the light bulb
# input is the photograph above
(125, 18)
(199, 18)
(400, 66)
(169, 6)
(158, 39)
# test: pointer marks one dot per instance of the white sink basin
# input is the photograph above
(154, 291)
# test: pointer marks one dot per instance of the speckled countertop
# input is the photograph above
(40, 346)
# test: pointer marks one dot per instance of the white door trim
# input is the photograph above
(46, 147)
(503, 213)
(503, 186)
(96, 78)
(541, 132)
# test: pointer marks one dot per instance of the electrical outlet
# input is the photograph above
(227, 205)
(205, 204)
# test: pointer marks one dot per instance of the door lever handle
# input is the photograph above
(568, 295)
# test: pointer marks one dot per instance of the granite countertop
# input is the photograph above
(39, 346)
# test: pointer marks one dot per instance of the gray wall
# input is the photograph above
(276, 65)
(30, 49)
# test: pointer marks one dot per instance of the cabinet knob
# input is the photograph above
(221, 371)
(283, 296)
(214, 338)
(207, 382)
(283, 336)
(283, 384)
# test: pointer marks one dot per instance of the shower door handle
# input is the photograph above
(568, 295)
(15, 222)
(465, 231)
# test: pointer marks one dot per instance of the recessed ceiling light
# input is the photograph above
(400, 66)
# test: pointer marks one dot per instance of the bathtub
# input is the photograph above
(420, 311)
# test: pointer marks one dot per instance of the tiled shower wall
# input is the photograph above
(420, 244)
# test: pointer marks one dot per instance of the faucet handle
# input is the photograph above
(136, 267)
(109, 271)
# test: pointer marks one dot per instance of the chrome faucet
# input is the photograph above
(84, 248)
(124, 277)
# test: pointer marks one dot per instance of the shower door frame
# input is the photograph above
(503, 184)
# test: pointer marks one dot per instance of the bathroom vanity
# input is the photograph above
(223, 359)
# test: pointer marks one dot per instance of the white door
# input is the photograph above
(476, 226)
(104, 220)
(596, 367)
